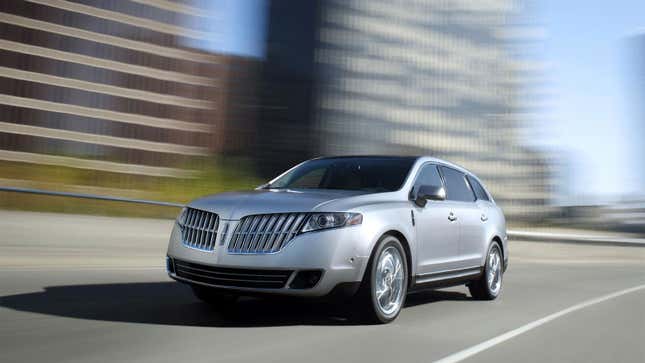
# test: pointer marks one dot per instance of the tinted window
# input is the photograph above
(456, 186)
(480, 193)
(429, 175)
(310, 179)
(372, 174)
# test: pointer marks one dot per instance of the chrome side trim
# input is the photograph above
(447, 274)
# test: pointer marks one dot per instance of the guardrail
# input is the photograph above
(575, 238)
(88, 196)
(514, 234)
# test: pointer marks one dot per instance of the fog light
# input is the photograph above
(306, 279)
(170, 266)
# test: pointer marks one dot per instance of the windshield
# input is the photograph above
(372, 174)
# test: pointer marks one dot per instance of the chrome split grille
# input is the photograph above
(233, 277)
(199, 229)
(266, 233)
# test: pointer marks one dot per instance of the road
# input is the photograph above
(93, 289)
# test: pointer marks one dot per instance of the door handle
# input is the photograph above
(484, 218)
(452, 217)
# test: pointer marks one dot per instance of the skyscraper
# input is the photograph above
(402, 77)
(120, 87)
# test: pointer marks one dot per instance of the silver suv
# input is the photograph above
(372, 228)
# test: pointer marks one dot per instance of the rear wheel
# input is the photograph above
(385, 283)
(489, 284)
(215, 298)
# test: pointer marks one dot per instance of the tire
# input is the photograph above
(215, 298)
(383, 279)
(489, 285)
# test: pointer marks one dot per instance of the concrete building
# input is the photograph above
(403, 77)
(115, 86)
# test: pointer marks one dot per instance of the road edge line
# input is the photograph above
(469, 352)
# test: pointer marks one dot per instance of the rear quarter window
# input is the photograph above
(479, 190)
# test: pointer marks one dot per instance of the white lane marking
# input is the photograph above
(469, 352)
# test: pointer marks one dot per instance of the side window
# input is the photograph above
(480, 193)
(429, 175)
(456, 186)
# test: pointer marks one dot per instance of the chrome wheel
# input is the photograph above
(494, 270)
(390, 280)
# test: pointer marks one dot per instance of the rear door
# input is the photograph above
(477, 247)
(468, 213)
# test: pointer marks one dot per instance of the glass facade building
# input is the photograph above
(405, 78)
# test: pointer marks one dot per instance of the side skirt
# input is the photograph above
(446, 278)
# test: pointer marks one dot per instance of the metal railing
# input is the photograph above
(88, 196)
(514, 234)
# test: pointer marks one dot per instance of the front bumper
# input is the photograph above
(338, 253)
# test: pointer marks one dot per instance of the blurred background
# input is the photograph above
(170, 100)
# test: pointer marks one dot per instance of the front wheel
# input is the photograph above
(385, 283)
(489, 284)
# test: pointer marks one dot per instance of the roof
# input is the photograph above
(405, 157)
(420, 158)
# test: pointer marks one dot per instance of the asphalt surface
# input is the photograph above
(93, 289)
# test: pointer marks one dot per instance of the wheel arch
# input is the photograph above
(498, 239)
(406, 248)
(502, 249)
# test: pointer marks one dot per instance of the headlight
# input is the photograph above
(181, 218)
(319, 221)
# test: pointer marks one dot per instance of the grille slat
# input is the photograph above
(207, 222)
(214, 230)
(259, 232)
(210, 233)
(202, 237)
(285, 227)
(233, 277)
(269, 228)
(202, 232)
(295, 227)
(239, 235)
(265, 233)
(276, 232)
(207, 226)
(199, 229)
(250, 233)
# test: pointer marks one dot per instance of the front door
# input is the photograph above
(437, 228)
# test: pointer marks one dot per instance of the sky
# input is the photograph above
(589, 119)
(239, 27)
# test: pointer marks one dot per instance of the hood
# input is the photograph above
(235, 205)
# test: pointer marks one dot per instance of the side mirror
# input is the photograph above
(429, 192)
